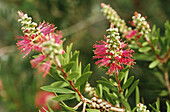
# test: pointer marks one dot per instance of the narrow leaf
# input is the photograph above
(59, 84)
(126, 104)
(72, 75)
(75, 56)
(144, 49)
(81, 80)
(128, 83)
(68, 66)
(87, 68)
(158, 104)
(64, 97)
(99, 90)
(57, 90)
(67, 108)
(49, 108)
(153, 108)
(108, 97)
(132, 88)
(144, 57)
(107, 84)
(154, 64)
(137, 95)
(168, 106)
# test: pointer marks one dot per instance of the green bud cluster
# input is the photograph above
(28, 27)
(52, 49)
(113, 42)
(141, 24)
(113, 17)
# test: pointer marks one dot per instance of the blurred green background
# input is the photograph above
(82, 23)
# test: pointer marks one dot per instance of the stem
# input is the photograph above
(71, 83)
(167, 80)
(153, 49)
(120, 90)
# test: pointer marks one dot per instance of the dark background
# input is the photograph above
(82, 23)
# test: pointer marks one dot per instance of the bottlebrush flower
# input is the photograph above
(112, 53)
(43, 98)
(142, 26)
(114, 18)
(42, 67)
(34, 36)
(130, 34)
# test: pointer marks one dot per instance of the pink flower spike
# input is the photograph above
(36, 61)
(44, 68)
(46, 28)
(43, 98)
(131, 34)
(21, 14)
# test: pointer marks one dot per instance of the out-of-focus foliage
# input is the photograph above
(82, 23)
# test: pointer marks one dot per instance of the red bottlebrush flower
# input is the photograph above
(45, 68)
(43, 98)
(112, 53)
(107, 59)
(27, 45)
(36, 61)
(130, 34)
(46, 28)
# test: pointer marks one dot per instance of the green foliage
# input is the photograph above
(56, 89)
(64, 97)
(83, 79)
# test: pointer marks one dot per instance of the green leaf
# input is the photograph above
(64, 97)
(67, 108)
(68, 53)
(82, 87)
(59, 84)
(92, 110)
(163, 93)
(72, 75)
(132, 88)
(144, 57)
(133, 46)
(126, 73)
(99, 90)
(57, 90)
(81, 80)
(68, 66)
(49, 108)
(158, 104)
(144, 49)
(137, 95)
(153, 108)
(144, 44)
(75, 56)
(108, 97)
(126, 104)
(128, 83)
(168, 106)
(107, 84)
(87, 68)
(154, 63)
(45, 109)
(123, 73)
(134, 109)
(77, 97)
